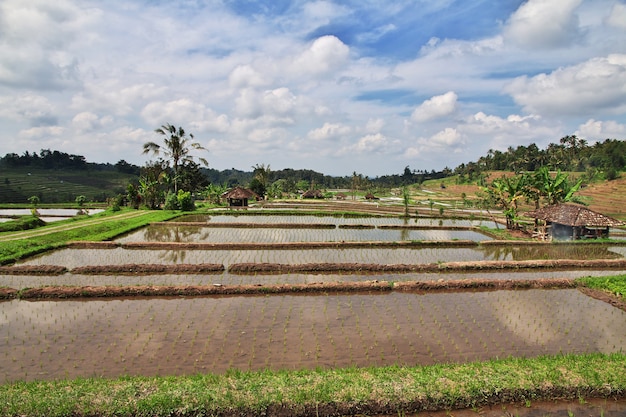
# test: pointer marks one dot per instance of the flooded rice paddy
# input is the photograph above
(165, 233)
(337, 220)
(76, 257)
(60, 339)
(20, 281)
(172, 336)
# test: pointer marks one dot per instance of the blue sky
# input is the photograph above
(335, 86)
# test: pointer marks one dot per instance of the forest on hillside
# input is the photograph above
(605, 159)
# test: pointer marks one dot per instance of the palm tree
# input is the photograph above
(177, 147)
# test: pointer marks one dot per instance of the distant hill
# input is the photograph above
(17, 185)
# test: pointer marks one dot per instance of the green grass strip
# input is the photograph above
(102, 226)
(335, 391)
(616, 285)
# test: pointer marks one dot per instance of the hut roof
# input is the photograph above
(239, 193)
(312, 194)
(573, 215)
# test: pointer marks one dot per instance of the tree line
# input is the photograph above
(174, 176)
(602, 159)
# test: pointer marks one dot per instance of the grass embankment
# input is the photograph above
(352, 391)
(98, 227)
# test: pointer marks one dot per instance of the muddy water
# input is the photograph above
(339, 220)
(20, 281)
(56, 339)
(164, 233)
(72, 257)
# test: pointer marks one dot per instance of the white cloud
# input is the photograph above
(495, 132)
(594, 130)
(445, 141)
(279, 101)
(594, 85)
(330, 131)
(374, 125)
(184, 112)
(617, 17)
(544, 24)
(377, 33)
(447, 137)
(373, 143)
(245, 76)
(31, 108)
(257, 82)
(325, 55)
(39, 132)
(436, 107)
(87, 121)
(37, 43)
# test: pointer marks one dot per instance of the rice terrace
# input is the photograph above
(436, 294)
(310, 291)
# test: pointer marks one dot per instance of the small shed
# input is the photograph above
(239, 196)
(573, 221)
(313, 194)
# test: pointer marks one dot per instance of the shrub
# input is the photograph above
(23, 223)
(171, 202)
(185, 201)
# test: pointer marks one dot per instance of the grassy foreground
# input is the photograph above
(352, 391)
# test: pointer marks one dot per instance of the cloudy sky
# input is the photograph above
(335, 86)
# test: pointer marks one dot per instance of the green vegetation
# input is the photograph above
(616, 285)
(18, 185)
(506, 192)
(22, 223)
(19, 245)
(324, 392)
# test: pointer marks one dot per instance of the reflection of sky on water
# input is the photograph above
(366, 220)
(46, 212)
(72, 258)
(545, 318)
(225, 278)
(55, 339)
(159, 233)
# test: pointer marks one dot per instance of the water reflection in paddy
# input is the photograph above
(164, 233)
(47, 212)
(368, 220)
(226, 278)
(71, 258)
(66, 339)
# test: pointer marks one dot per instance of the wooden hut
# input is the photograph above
(313, 194)
(239, 196)
(572, 221)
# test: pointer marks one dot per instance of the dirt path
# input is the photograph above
(64, 227)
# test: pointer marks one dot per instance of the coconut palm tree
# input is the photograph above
(177, 147)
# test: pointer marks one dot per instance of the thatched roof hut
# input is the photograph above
(312, 194)
(239, 196)
(573, 221)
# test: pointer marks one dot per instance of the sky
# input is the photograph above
(365, 86)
